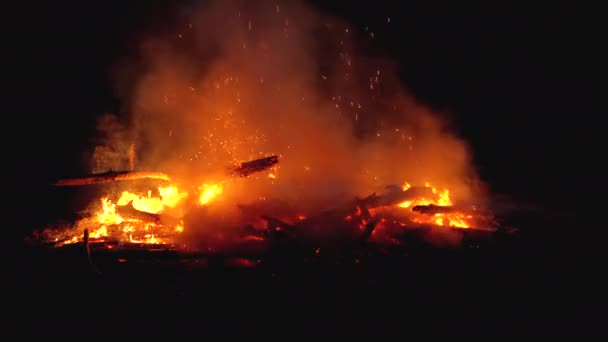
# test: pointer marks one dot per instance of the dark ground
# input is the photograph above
(519, 81)
(508, 285)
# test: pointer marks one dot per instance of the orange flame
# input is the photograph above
(456, 220)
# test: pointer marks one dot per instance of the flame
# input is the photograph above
(209, 192)
(108, 215)
(108, 223)
(456, 220)
(453, 220)
(443, 198)
(180, 227)
(405, 204)
(169, 197)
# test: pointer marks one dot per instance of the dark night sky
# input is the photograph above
(518, 80)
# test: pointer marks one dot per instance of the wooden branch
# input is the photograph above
(111, 176)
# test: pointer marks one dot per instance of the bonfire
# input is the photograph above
(246, 128)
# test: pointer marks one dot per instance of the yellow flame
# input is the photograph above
(443, 197)
(452, 220)
(99, 233)
(107, 222)
(272, 176)
(457, 220)
(108, 213)
(169, 196)
(405, 204)
(209, 192)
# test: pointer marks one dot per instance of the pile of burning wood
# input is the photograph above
(138, 221)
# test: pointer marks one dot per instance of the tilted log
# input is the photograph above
(246, 168)
(111, 176)
(242, 170)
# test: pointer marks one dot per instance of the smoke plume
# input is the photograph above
(239, 80)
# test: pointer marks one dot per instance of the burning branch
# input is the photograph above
(111, 176)
(243, 170)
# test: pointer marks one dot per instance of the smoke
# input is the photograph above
(113, 146)
(239, 80)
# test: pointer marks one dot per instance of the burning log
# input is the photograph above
(243, 170)
(394, 196)
(247, 168)
(128, 211)
(433, 209)
(112, 176)
(368, 230)
(277, 229)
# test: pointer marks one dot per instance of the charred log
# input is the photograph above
(432, 209)
(368, 230)
(247, 168)
(111, 176)
(277, 229)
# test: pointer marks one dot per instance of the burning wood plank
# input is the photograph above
(247, 168)
(112, 176)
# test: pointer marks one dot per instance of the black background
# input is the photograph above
(520, 81)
